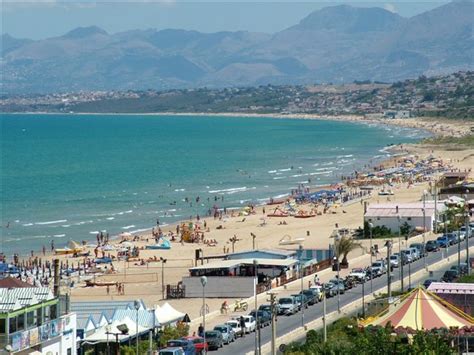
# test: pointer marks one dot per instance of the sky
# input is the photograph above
(40, 19)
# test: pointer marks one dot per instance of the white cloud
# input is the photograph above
(390, 7)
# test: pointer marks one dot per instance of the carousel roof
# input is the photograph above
(422, 310)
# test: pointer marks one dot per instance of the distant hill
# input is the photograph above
(335, 44)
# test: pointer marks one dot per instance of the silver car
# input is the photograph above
(228, 334)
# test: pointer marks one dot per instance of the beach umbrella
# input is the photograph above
(127, 245)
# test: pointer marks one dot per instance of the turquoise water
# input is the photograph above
(66, 177)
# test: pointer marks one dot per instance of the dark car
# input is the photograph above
(185, 344)
(443, 241)
(310, 296)
(268, 308)
(462, 270)
(350, 282)
(452, 238)
(431, 246)
(428, 282)
(263, 318)
(198, 342)
(450, 276)
(214, 339)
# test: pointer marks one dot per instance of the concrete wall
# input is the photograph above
(392, 222)
(220, 286)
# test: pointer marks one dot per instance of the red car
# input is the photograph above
(199, 344)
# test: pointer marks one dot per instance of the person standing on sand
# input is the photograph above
(44, 250)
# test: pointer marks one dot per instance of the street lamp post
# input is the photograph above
(163, 262)
(371, 255)
(400, 251)
(466, 206)
(204, 283)
(108, 328)
(302, 286)
(336, 245)
(136, 304)
(389, 270)
(424, 227)
(255, 265)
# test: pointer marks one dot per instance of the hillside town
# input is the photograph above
(441, 96)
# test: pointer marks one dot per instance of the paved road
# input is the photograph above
(286, 324)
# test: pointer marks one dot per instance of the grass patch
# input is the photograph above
(467, 140)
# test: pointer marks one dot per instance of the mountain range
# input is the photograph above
(335, 44)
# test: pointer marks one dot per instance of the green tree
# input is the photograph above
(344, 246)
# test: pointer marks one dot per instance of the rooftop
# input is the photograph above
(404, 209)
(452, 288)
(16, 298)
(225, 264)
(13, 282)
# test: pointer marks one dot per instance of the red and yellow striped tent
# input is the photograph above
(422, 310)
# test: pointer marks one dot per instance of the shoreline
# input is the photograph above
(437, 126)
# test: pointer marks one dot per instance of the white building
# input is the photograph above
(393, 215)
(32, 322)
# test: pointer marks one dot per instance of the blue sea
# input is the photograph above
(66, 177)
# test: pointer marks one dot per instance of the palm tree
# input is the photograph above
(344, 246)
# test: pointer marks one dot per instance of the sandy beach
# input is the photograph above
(144, 281)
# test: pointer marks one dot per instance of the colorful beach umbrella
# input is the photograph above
(423, 310)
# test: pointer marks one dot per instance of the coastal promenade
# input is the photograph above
(350, 302)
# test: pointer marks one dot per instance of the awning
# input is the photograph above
(101, 335)
(166, 314)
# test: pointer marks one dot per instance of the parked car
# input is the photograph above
(171, 351)
(330, 289)
(250, 323)
(214, 339)
(268, 308)
(409, 254)
(199, 344)
(462, 233)
(310, 296)
(228, 335)
(359, 273)
(378, 268)
(350, 282)
(420, 247)
(263, 318)
(428, 282)
(235, 324)
(450, 276)
(187, 345)
(288, 305)
(394, 261)
(339, 285)
(453, 238)
(318, 290)
(462, 270)
(432, 246)
(301, 300)
(443, 241)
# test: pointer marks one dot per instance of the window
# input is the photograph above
(21, 321)
(12, 325)
(39, 315)
(2, 326)
(30, 319)
(53, 310)
(69, 351)
(409, 218)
